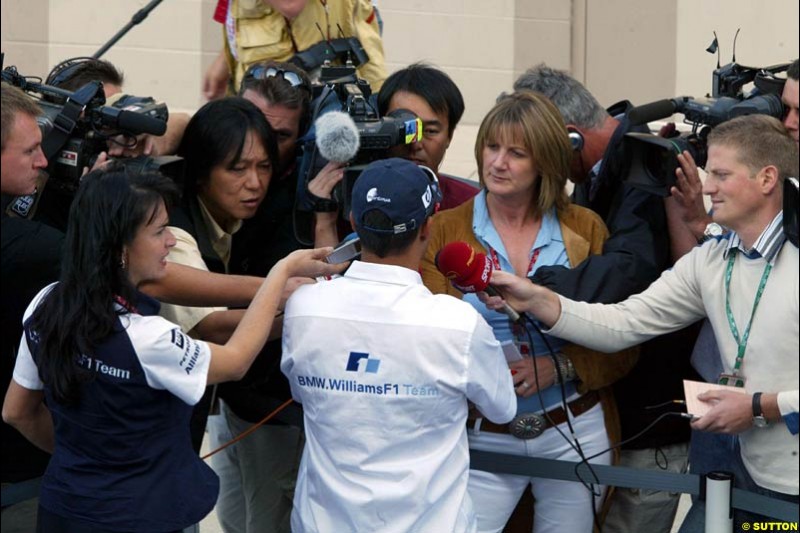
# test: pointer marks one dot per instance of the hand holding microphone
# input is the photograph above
(470, 271)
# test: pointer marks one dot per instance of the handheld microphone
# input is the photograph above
(337, 136)
(469, 271)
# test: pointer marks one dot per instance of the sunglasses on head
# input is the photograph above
(261, 72)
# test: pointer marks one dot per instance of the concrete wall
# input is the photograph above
(641, 50)
(163, 57)
(636, 49)
(769, 35)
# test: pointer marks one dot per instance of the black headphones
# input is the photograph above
(576, 140)
(769, 82)
(62, 71)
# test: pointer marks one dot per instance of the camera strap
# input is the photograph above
(67, 119)
(63, 125)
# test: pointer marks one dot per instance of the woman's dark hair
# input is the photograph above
(430, 84)
(215, 136)
(78, 313)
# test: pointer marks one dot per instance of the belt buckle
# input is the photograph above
(527, 426)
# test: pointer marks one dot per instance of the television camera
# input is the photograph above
(651, 160)
(364, 138)
(76, 128)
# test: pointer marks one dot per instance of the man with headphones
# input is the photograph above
(384, 370)
(635, 254)
(74, 73)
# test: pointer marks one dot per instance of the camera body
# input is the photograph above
(90, 136)
(343, 91)
(651, 160)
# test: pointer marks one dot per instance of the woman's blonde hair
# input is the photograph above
(530, 119)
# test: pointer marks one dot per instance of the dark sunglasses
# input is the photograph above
(260, 72)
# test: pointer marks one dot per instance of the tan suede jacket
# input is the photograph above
(584, 234)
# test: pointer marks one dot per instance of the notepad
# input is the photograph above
(692, 388)
(511, 351)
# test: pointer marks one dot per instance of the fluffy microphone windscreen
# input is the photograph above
(468, 270)
(337, 136)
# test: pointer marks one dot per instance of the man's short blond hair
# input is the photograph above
(759, 141)
(14, 101)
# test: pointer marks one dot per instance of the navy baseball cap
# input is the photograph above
(403, 191)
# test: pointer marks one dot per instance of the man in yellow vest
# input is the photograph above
(261, 30)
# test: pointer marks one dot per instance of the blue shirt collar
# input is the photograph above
(767, 245)
(487, 235)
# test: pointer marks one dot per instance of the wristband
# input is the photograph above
(323, 205)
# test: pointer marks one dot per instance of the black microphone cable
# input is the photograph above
(574, 443)
(584, 459)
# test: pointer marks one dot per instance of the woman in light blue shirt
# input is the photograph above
(522, 219)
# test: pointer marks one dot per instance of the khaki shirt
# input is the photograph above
(186, 252)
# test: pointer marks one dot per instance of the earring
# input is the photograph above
(123, 262)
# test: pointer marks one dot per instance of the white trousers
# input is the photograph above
(559, 505)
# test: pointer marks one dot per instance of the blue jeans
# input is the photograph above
(716, 451)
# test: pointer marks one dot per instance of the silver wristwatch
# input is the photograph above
(759, 420)
(712, 230)
(565, 368)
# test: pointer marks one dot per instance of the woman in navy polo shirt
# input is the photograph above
(107, 386)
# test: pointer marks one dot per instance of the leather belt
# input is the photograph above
(531, 425)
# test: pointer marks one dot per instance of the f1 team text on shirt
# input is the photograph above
(354, 386)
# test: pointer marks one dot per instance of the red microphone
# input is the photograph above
(469, 271)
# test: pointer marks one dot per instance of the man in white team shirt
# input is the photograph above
(384, 370)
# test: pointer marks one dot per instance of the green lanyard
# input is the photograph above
(742, 343)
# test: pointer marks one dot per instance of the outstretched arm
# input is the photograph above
(230, 362)
(524, 296)
(184, 285)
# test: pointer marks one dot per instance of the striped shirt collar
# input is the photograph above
(767, 245)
